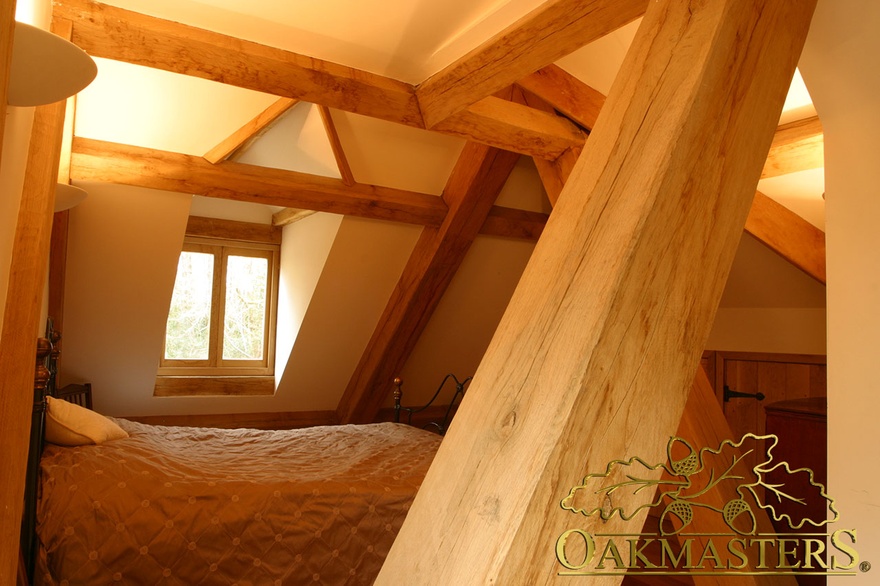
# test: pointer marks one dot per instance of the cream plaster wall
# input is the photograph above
(121, 261)
(841, 66)
(305, 246)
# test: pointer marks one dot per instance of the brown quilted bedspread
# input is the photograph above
(175, 505)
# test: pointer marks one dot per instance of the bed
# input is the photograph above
(178, 505)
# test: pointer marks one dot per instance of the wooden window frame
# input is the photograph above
(218, 376)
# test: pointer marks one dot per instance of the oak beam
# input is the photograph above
(114, 33)
(565, 93)
(250, 130)
(553, 174)
(336, 146)
(797, 146)
(551, 31)
(289, 216)
(789, 235)
(599, 345)
(514, 223)
(514, 127)
(18, 342)
(95, 160)
(470, 192)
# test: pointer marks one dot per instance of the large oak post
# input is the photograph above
(595, 355)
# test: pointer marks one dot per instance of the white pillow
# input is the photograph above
(68, 424)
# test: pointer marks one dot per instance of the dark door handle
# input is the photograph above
(731, 394)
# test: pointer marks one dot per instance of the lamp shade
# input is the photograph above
(67, 196)
(46, 68)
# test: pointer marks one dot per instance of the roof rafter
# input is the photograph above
(787, 234)
(797, 146)
(250, 130)
(566, 93)
(336, 146)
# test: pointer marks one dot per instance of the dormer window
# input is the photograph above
(219, 335)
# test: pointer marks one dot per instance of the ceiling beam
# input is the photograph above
(336, 146)
(553, 174)
(789, 235)
(594, 356)
(514, 223)
(565, 93)
(475, 182)
(123, 35)
(250, 130)
(95, 160)
(797, 146)
(551, 31)
(131, 37)
(289, 216)
(514, 127)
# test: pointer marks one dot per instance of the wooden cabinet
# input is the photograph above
(800, 425)
(774, 377)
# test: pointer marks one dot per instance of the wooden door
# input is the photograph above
(775, 377)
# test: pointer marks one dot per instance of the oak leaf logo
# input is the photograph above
(691, 474)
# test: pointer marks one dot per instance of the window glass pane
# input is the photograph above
(245, 321)
(189, 319)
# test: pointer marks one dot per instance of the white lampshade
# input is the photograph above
(46, 68)
(67, 196)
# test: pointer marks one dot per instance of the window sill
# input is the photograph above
(230, 386)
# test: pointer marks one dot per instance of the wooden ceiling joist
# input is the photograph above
(250, 130)
(95, 160)
(789, 235)
(594, 356)
(797, 146)
(103, 161)
(565, 93)
(514, 127)
(336, 146)
(550, 32)
(289, 216)
(470, 192)
(123, 35)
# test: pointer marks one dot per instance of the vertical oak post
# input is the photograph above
(595, 355)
